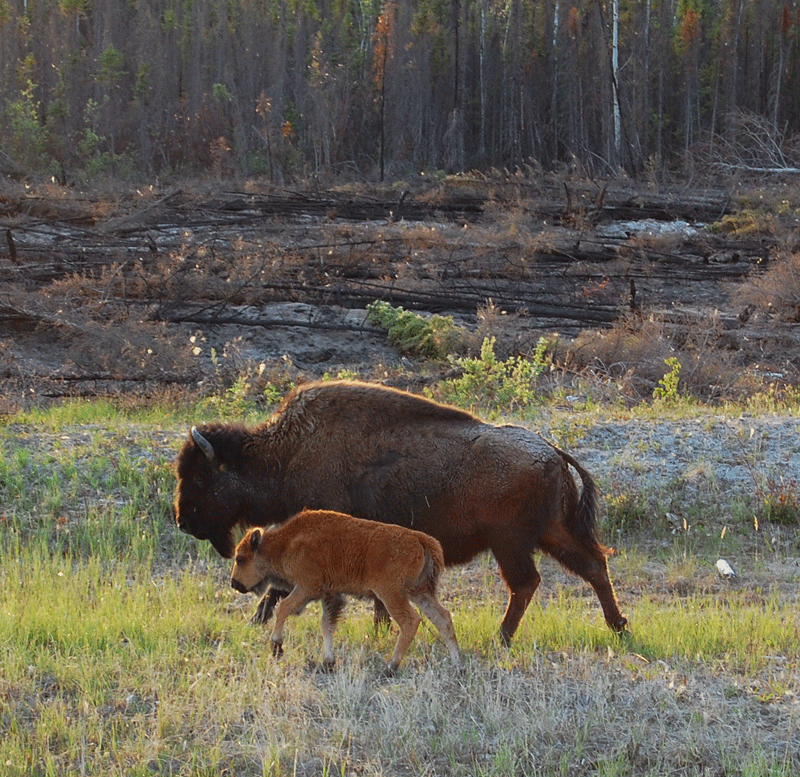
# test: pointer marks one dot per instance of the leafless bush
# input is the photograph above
(776, 291)
(99, 335)
(512, 336)
(632, 354)
(751, 144)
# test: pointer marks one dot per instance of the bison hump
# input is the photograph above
(345, 402)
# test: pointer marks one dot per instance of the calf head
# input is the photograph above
(247, 573)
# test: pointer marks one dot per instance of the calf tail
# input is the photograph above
(432, 565)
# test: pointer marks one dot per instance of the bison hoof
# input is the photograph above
(389, 670)
(277, 649)
(620, 625)
(262, 614)
(328, 665)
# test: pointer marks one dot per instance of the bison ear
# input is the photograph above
(255, 540)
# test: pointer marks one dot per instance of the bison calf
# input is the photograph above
(324, 555)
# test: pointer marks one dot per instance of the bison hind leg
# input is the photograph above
(407, 620)
(522, 579)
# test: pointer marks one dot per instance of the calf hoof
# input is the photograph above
(389, 670)
(277, 649)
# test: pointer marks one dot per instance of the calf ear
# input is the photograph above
(255, 540)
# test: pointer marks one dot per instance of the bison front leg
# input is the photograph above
(380, 615)
(266, 605)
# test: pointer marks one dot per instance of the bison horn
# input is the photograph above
(203, 444)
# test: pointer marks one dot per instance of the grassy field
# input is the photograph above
(124, 651)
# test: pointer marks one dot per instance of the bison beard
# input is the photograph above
(393, 457)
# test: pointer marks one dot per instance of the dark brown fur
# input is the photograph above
(393, 457)
(323, 555)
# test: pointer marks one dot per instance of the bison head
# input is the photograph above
(209, 497)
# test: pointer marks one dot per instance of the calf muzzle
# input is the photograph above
(238, 586)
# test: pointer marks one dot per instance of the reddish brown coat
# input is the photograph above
(323, 554)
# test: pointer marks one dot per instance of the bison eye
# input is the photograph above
(238, 560)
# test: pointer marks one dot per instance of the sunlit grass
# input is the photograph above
(126, 652)
(115, 665)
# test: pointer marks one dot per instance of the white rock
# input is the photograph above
(725, 569)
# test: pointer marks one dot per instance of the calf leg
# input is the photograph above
(291, 605)
(588, 560)
(440, 617)
(522, 578)
(407, 621)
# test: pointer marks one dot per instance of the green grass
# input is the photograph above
(124, 651)
(96, 658)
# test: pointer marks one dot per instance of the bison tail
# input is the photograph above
(586, 514)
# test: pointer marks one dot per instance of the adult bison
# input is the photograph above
(393, 457)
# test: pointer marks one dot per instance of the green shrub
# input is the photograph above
(667, 388)
(432, 337)
(487, 381)
(26, 137)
